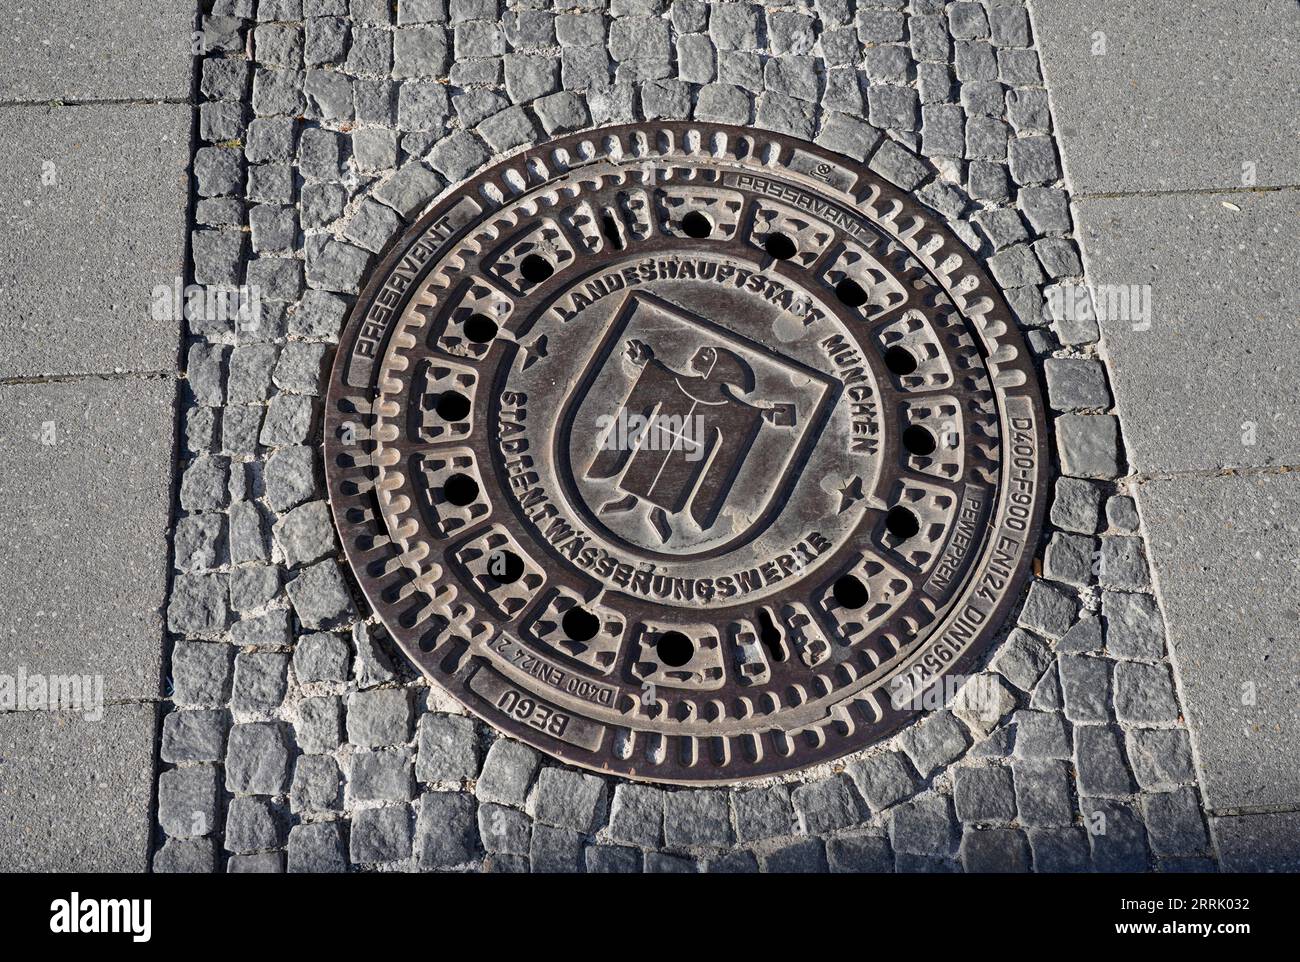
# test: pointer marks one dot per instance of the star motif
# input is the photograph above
(850, 494)
(534, 352)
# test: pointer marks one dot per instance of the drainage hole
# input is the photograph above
(674, 649)
(770, 635)
(849, 592)
(460, 490)
(452, 406)
(780, 246)
(536, 268)
(918, 440)
(609, 227)
(696, 225)
(580, 624)
(850, 292)
(900, 360)
(480, 328)
(505, 567)
(901, 523)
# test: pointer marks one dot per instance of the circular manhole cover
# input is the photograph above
(685, 452)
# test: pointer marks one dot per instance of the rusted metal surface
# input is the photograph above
(686, 452)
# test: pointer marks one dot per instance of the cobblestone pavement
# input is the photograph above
(298, 739)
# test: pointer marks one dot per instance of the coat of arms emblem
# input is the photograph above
(690, 430)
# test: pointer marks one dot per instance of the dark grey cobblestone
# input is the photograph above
(448, 749)
(637, 815)
(984, 795)
(1043, 792)
(316, 785)
(802, 856)
(994, 850)
(194, 736)
(325, 126)
(696, 819)
(762, 813)
(252, 825)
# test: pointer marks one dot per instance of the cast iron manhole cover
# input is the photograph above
(685, 452)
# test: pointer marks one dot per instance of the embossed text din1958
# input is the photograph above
(686, 452)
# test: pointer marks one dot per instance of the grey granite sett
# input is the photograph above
(984, 794)
(1043, 791)
(568, 799)
(252, 825)
(762, 813)
(636, 815)
(696, 818)
(507, 772)
(801, 856)
(1085, 683)
(260, 681)
(378, 718)
(188, 801)
(924, 826)
(994, 850)
(317, 847)
(257, 758)
(1042, 734)
(320, 657)
(380, 835)
(194, 736)
(186, 856)
(825, 805)
(504, 830)
(1116, 835)
(1059, 849)
(553, 850)
(934, 741)
(1144, 694)
(379, 776)
(1048, 609)
(447, 749)
(1022, 658)
(318, 725)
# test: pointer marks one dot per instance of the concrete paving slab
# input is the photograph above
(1211, 383)
(92, 218)
(111, 50)
(1258, 843)
(1183, 95)
(84, 503)
(75, 793)
(1226, 552)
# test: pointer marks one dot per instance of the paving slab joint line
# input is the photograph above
(1253, 810)
(1243, 471)
(157, 375)
(98, 103)
(1184, 192)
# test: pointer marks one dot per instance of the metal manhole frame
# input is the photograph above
(923, 233)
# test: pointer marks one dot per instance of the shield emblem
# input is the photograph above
(682, 434)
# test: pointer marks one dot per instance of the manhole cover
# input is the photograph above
(685, 452)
